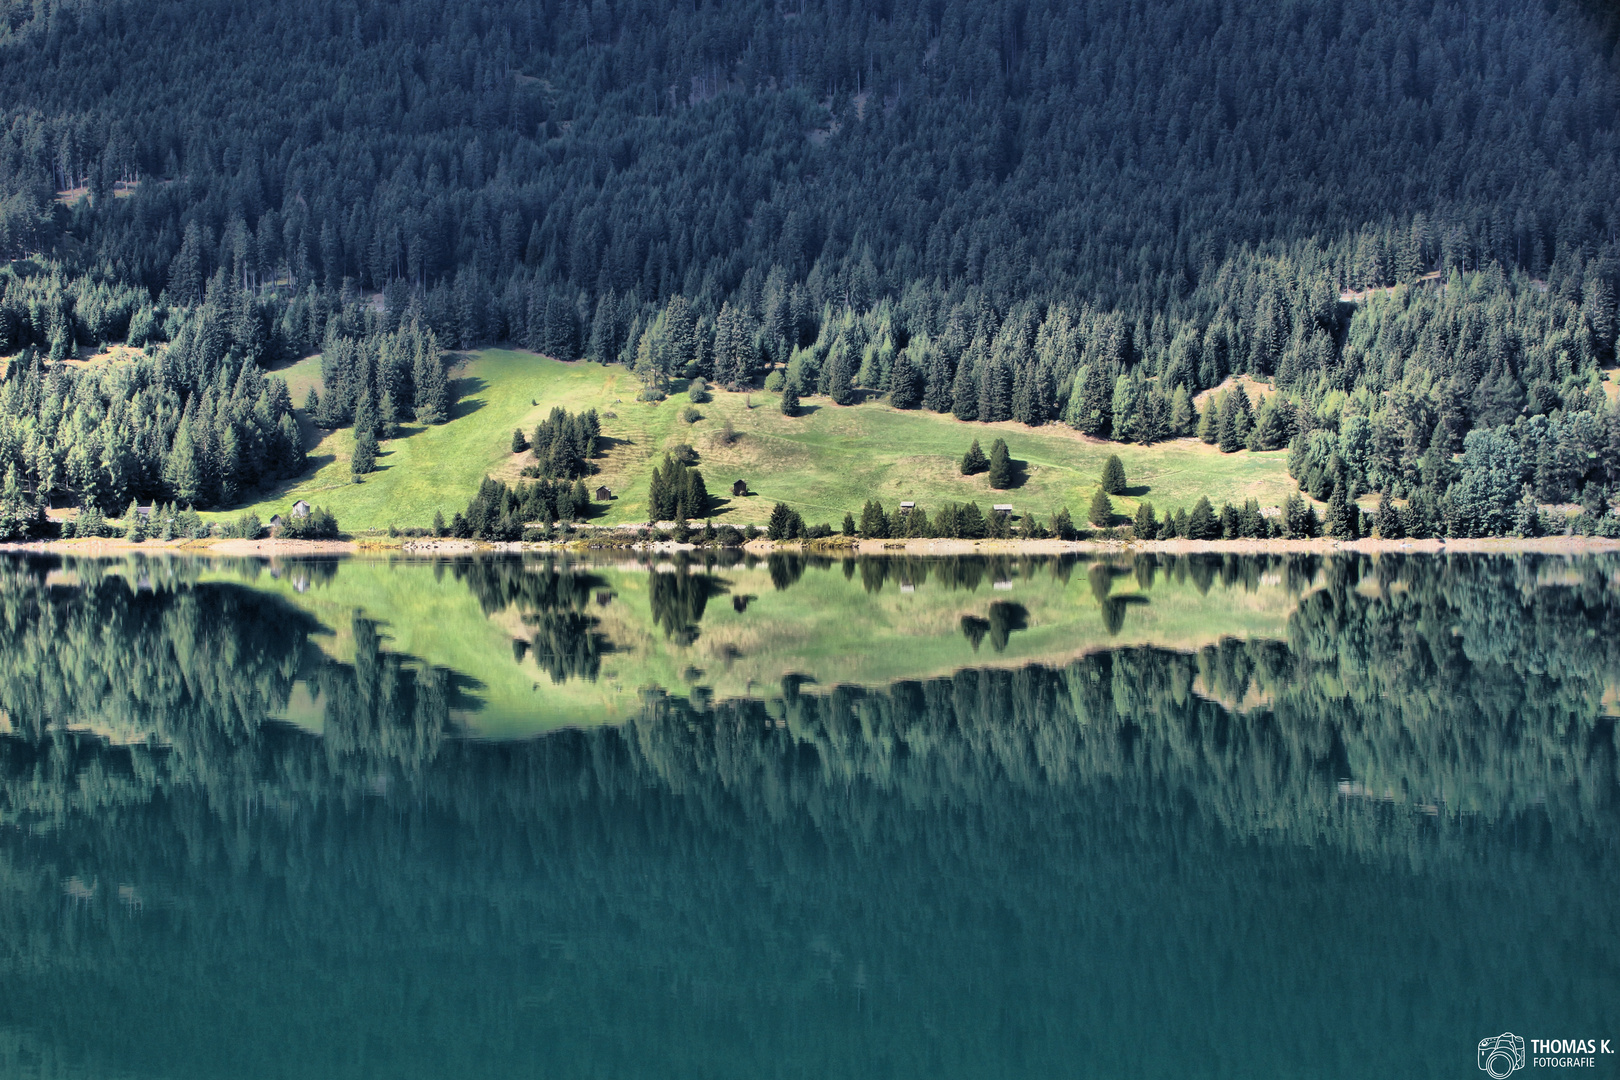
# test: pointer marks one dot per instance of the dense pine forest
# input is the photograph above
(1397, 219)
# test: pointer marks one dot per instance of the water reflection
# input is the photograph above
(249, 838)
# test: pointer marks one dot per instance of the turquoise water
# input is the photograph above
(1352, 848)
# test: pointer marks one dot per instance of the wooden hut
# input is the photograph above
(1002, 510)
(603, 494)
(907, 508)
(300, 509)
(740, 488)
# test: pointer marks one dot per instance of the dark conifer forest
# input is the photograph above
(1399, 215)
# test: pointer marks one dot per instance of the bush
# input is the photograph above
(698, 392)
(689, 415)
(775, 381)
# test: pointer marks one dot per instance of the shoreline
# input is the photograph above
(434, 548)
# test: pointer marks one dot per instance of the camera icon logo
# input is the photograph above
(1502, 1055)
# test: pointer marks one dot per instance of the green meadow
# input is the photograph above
(825, 462)
(835, 624)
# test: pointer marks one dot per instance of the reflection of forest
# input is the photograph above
(986, 864)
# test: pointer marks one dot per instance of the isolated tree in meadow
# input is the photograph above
(974, 461)
(520, 442)
(1101, 513)
(1001, 470)
(365, 452)
(790, 400)
(1113, 475)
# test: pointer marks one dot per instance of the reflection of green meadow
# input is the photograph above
(826, 627)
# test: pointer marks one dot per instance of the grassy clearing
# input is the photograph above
(825, 462)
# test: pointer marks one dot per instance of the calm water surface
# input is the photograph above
(1207, 817)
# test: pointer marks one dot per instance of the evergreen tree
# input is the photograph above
(1181, 412)
(974, 461)
(790, 399)
(848, 528)
(1388, 519)
(1146, 526)
(520, 442)
(1101, 513)
(1202, 524)
(840, 376)
(1063, 525)
(874, 522)
(906, 385)
(1113, 476)
(1001, 470)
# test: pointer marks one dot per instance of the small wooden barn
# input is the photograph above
(740, 488)
(907, 507)
(603, 494)
(1002, 510)
(300, 509)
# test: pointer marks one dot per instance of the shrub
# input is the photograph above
(775, 381)
(698, 392)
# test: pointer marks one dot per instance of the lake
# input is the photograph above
(1199, 816)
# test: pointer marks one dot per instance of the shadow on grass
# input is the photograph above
(1137, 491)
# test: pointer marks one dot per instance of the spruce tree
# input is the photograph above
(1001, 470)
(849, 524)
(840, 376)
(1101, 513)
(1146, 526)
(1209, 428)
(1181, 412)
(1063, 525)
(974, 461)
(1202, 524)
(365, 453)
(1388, 520)
(965, 395)
(520, 442)
(1113, 475)
(906, 385)
(874, 522)
(790, 399)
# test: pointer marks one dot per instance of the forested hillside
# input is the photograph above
(1052, 212)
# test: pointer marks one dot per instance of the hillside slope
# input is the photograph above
(825, 462)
